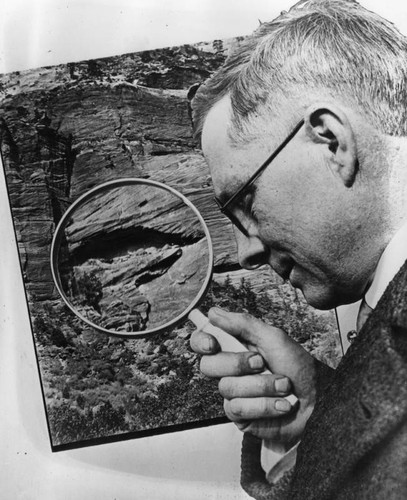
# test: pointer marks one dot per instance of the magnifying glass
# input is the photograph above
(133, 257)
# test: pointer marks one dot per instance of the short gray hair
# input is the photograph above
(333, 47)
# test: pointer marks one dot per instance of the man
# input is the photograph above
(317, 98)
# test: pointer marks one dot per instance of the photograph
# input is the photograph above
(71, 128)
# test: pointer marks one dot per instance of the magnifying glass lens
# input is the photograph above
(132, 257)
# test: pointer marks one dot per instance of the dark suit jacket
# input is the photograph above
(355, 443)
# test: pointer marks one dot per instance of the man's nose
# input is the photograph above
(251, 251)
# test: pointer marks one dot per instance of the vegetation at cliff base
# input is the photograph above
(98, 386)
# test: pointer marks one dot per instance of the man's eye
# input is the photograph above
(247, 205)
(244, 201)
(251, 211)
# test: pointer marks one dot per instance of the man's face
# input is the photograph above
(298, 218)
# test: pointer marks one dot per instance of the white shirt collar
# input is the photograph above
(391, 260)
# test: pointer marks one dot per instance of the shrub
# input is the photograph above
(70, 424)
(90, 289)
(48, 333)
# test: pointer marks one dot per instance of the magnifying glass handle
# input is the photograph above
(227, 342)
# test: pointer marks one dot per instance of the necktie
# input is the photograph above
(364, 313)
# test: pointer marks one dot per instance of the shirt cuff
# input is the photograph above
(276, 460)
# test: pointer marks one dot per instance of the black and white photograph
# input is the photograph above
(204, 227)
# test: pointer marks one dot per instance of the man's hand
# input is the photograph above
(255, 401)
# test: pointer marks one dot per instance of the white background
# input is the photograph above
(203, 463)
(45, 32)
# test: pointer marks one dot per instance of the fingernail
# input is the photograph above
(282, 385)
(218, 311)
(256, 362)
(282, 405)
(208, 344)
(240, 425)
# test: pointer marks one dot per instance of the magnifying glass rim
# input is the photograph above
(56, 243)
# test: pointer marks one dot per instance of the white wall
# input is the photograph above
(45, 32)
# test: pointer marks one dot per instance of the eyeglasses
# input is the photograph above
(225, 207)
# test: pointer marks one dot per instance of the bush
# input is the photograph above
(70, 424)
(90, 289)
(47, 333)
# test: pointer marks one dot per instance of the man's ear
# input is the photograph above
(328, 125)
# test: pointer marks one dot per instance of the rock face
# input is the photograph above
(133, 257)
(69, 128)
(48, 177)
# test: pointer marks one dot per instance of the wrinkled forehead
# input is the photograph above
(226, 163)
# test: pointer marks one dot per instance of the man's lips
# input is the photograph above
(286, 273)
(284, 269)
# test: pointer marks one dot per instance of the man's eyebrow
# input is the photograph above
(222, 197)
(251, 189)
(229, 191)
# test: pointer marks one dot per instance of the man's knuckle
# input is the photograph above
(262, 406)
(242, 364)
(265, 383)
(246, 317)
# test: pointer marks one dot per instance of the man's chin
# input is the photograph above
(317, 291)
(321, 294)
(319, 297)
